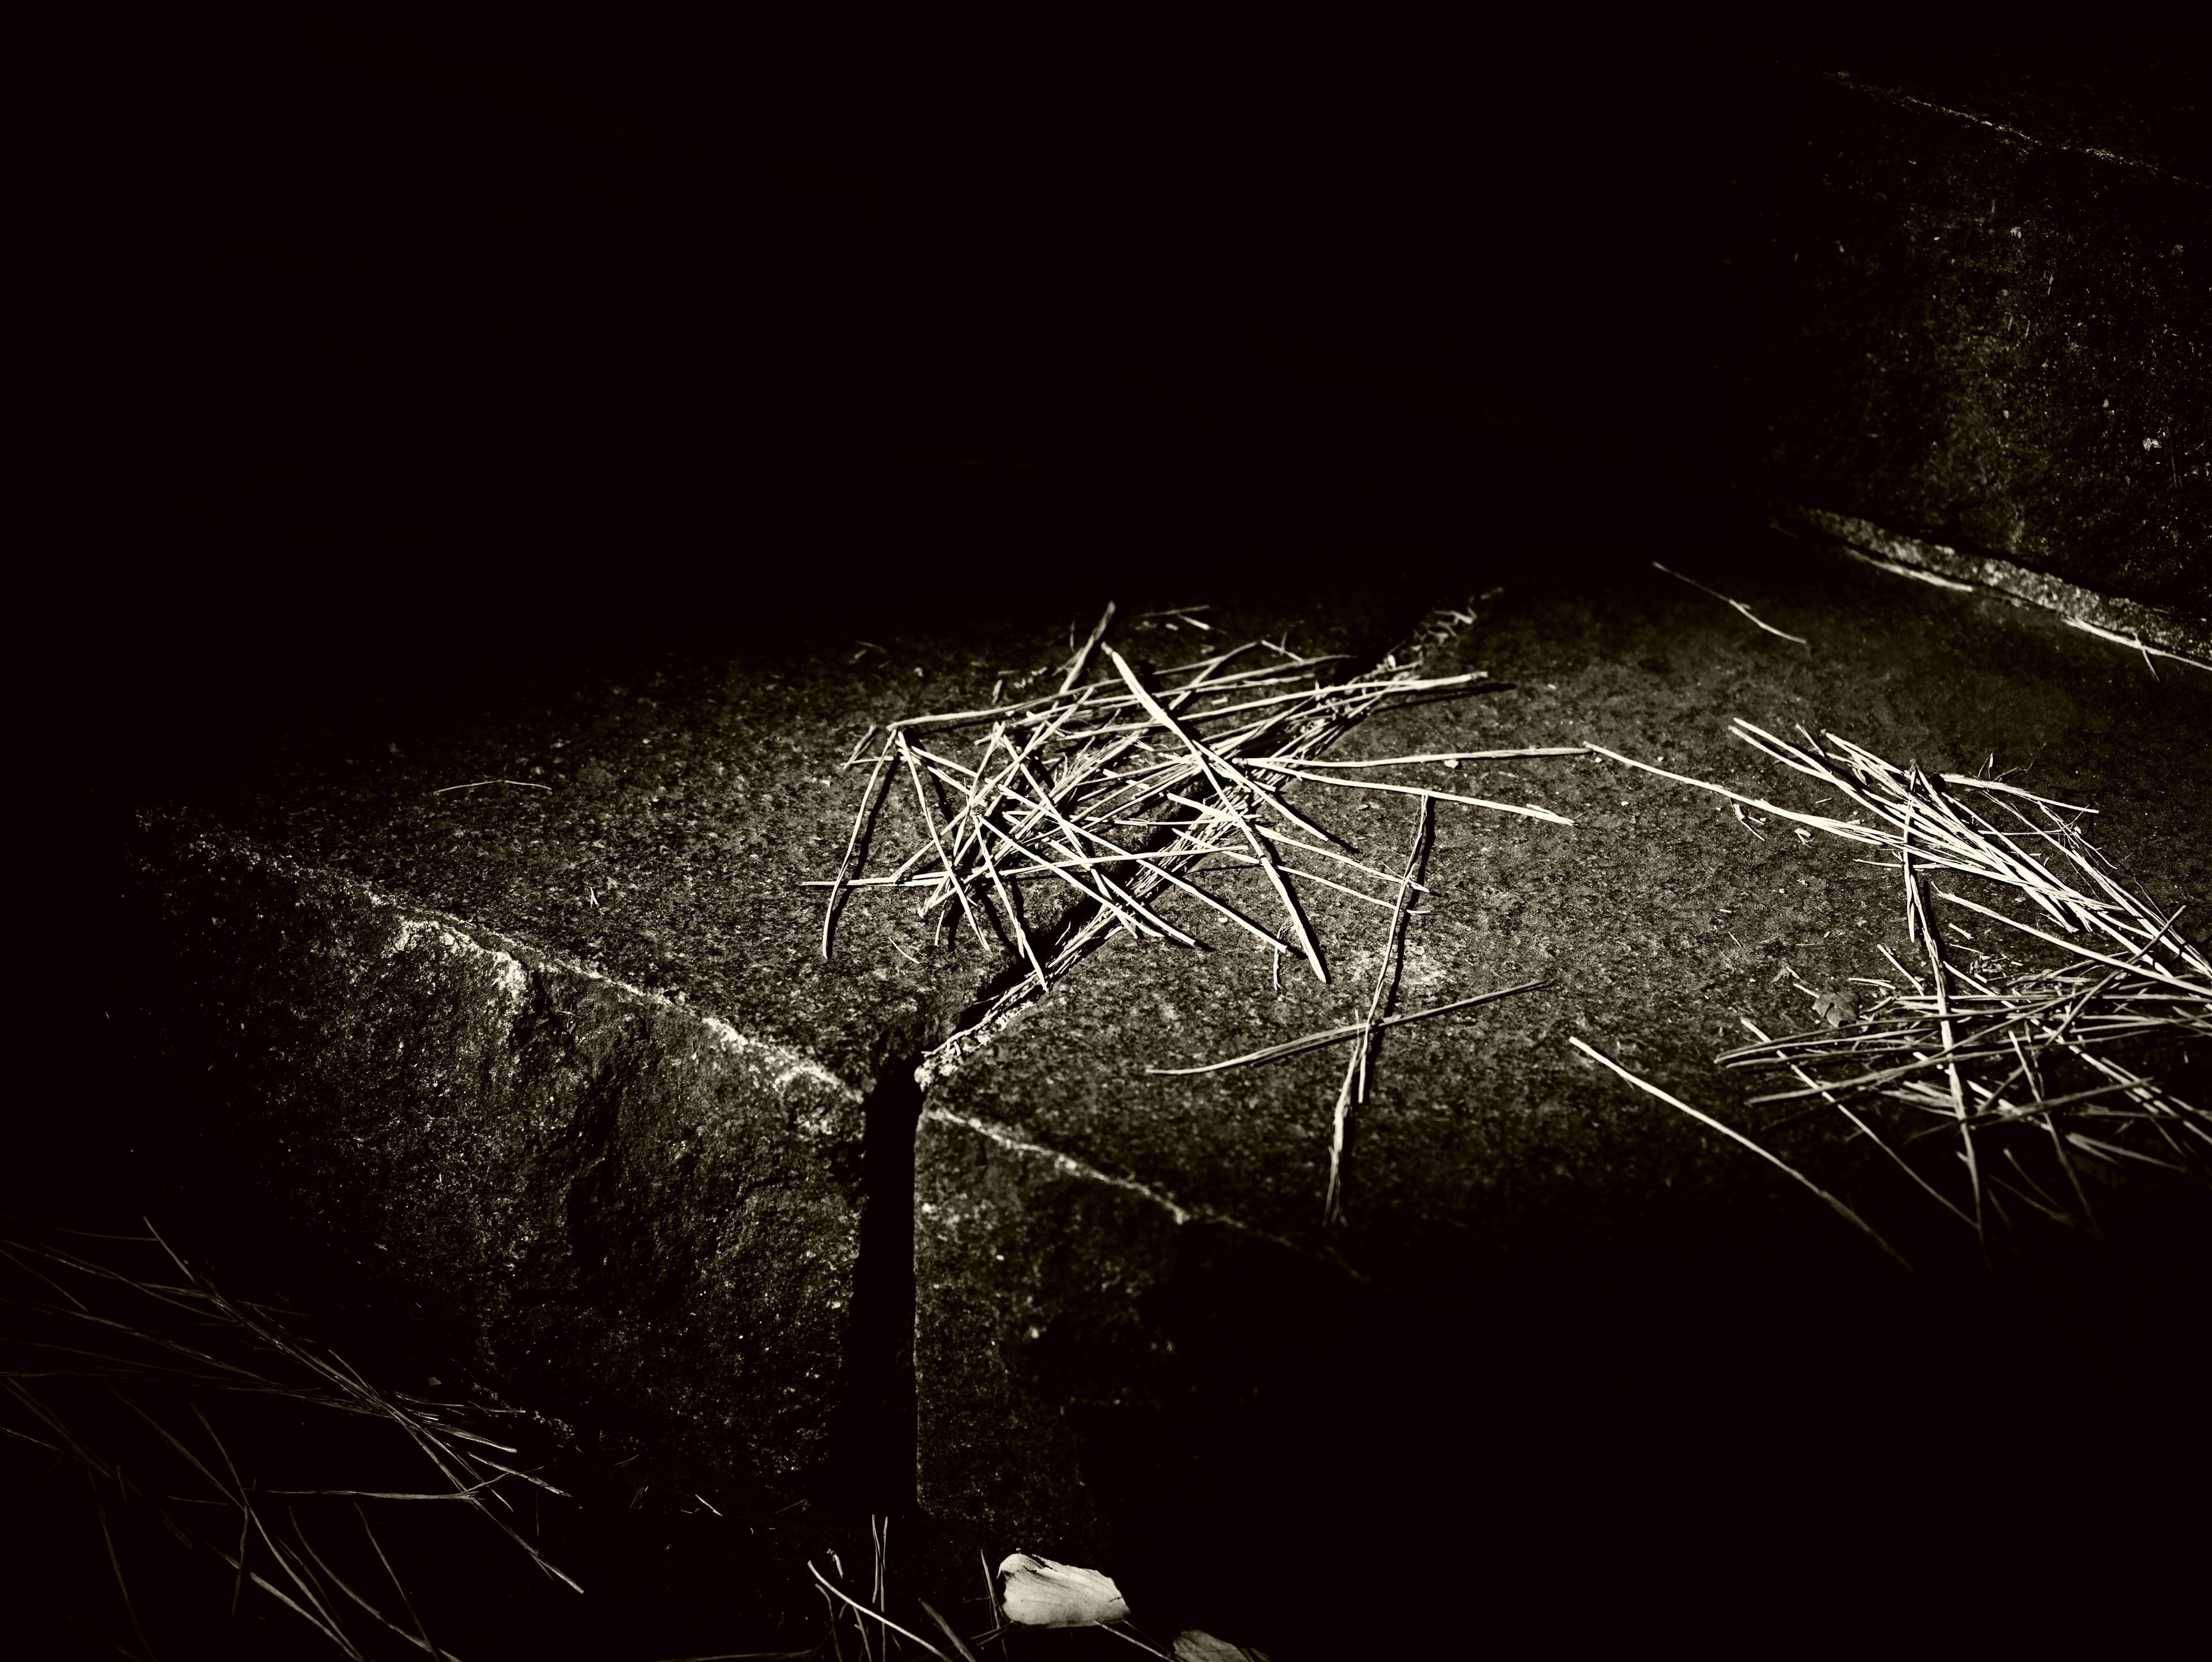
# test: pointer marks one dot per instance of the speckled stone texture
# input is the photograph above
(1963, 322)
(1133, 1323)
(523, 1020)
(612, 1207)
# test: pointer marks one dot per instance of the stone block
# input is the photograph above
(1967, 325)
(1136, 1336)
(609, 1205)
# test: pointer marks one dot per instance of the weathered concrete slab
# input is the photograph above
(610, 1205)
(524, 1021)
(1965, 316)
(1134, 1332)
(660, 827)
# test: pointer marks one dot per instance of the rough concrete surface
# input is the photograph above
(1964, 329)
(1124, 1286)
(659, 828)
(608, 975)
(614, 1208)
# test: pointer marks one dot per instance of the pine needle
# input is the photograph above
(1338, 1034)
(1734, 1135)
(1738, 604)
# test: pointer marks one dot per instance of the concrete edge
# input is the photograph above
(463, 935)
(2175, 633)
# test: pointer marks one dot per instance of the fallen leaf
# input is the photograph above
(1043, 1593)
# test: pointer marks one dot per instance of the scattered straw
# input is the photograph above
(1120, 788)
(876, 1615)
(2051, 1070)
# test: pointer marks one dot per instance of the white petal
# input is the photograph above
(1043, 1593)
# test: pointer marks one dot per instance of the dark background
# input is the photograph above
(431, 353)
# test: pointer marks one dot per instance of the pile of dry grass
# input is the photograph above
(1121, 788)
(2032, 1077)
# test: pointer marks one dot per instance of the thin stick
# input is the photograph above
(1452, 756)
(2150, 970)
(1531, 811)
(921, 800)
(1738, 604)
(1843, 1108)
(1730, 1132)
(1210, 758)
(1083, 658)
(1338, 1034)
(2135, 641)
(868, 804)
(1916, 910)
(1354, 1089)
(525, 784)
(1395, 942)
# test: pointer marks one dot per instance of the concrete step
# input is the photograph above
(618, 1209)
(521, 1031)
(1136, 1335)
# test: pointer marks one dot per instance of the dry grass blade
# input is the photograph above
(1338, 1034)
(876, 1615)
(1452, 756)
(115, 1563)
(421, 1634)
(1529, 811)
(868, 802)
(1738, 604)
(2136, 642)
(1083, 658)
(1353, 1091)
(952, 1638)
(1734, 1135)
(1978, 1048)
